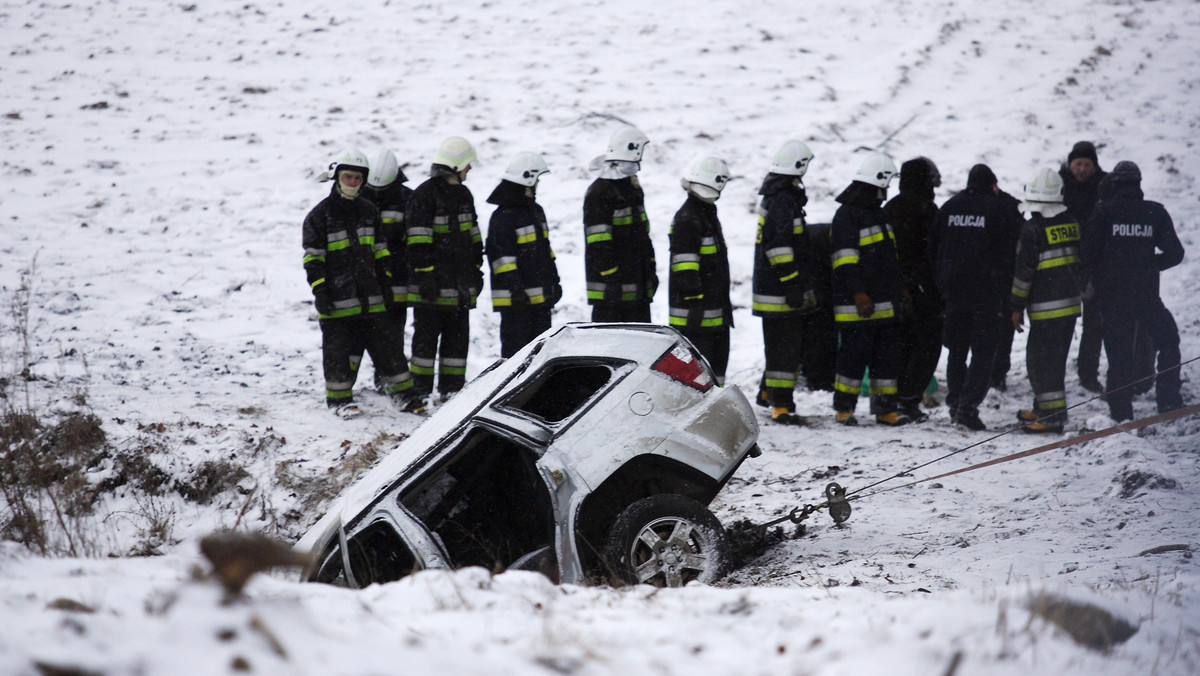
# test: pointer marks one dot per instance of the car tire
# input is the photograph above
(666, 540)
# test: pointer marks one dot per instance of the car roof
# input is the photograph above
(641, 343)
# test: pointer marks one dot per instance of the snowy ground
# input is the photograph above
(157, 160)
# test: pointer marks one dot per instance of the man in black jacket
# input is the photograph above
(973, 244)
(618, 253)
(911, 215)
(868, 292)
(698, 286)
(525, 284)
(347, 262)
(445, 260)
(1121, 252)
(1081, 175)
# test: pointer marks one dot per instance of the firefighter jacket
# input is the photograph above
(784, 262)
(1048, 279)
(391, 202)
(1120, 242)
(911, 215)
(699, 281)
(445, 247)
(346, 257)
(864, 258)
(618, 254)
(518, 250)
(973, 246)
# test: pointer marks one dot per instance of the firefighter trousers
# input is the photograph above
(868, 344)
(441, 337)
(1046, 353)
(343, 341)
(782, 347)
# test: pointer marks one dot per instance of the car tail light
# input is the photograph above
(683, 364)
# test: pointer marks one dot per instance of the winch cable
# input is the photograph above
(1119, 427)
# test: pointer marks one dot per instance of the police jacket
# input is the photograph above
(911, 215)
(391, 202)
(1048, 279)
(346, 256)
(518, 250)
(618, 254)
(1120, 242)
(783, 257)
(445, 247)
(864, 257)
(699, 280)
(973, 246)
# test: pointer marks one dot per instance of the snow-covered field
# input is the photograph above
(157, 160)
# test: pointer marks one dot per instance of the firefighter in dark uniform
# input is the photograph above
(525, 284)
(698, 286)
(618, 253)
(1081, 175)
(911, 215)
(445, 260)
(784, 282)
(347, 262)
(972, 246)
(1048, 284)
(1127, 242)
(386, 190)
(868, 290)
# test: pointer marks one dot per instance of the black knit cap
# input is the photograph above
(981, 176)
(1083, 149)
(1127, 171)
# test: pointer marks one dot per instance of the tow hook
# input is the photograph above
(835, 501)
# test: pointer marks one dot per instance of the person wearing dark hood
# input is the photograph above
(868, 295)
(973, 246)
(784, 288)
(698, 285)
(1081, 175)
(347, 262)
(618, 253)
(445, 260)
(1127, 243)
(1048, 284)
(911, 215)
(525, 283)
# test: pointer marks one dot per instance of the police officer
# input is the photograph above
(1047, 283)
(911, 215)
(347, 262)
(1127, 242)
(868, 289)
(784, 281)
(618, 254)
(525, 284)
(972, 246)
(445, 257)
(698, 284)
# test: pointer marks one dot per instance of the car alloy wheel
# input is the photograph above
(667, 541)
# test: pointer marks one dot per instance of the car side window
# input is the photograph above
(377, 554)
(561, 389)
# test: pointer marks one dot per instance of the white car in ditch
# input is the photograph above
(590, 455)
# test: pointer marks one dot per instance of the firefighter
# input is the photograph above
(784, 292)
(972, 246)
(1047, 283)
(698, 285)
(347, 262)
(1121, 245)
(618, 254)
(911, 215)
(445, 259)
(386, 190)
(868, 292)
(525, 284)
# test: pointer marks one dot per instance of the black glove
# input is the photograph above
(427, 286)
(794, 295)
(612, 292)
(519, 298)
(695, 316)
(555, 294)
(323, 302)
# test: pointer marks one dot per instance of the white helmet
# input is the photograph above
(626, 144)
(877, 170)
(525, 168)
(455, 152)
(352, 159)
(791, 159)
(384, 168)
(1046, 185)
(706, 176)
